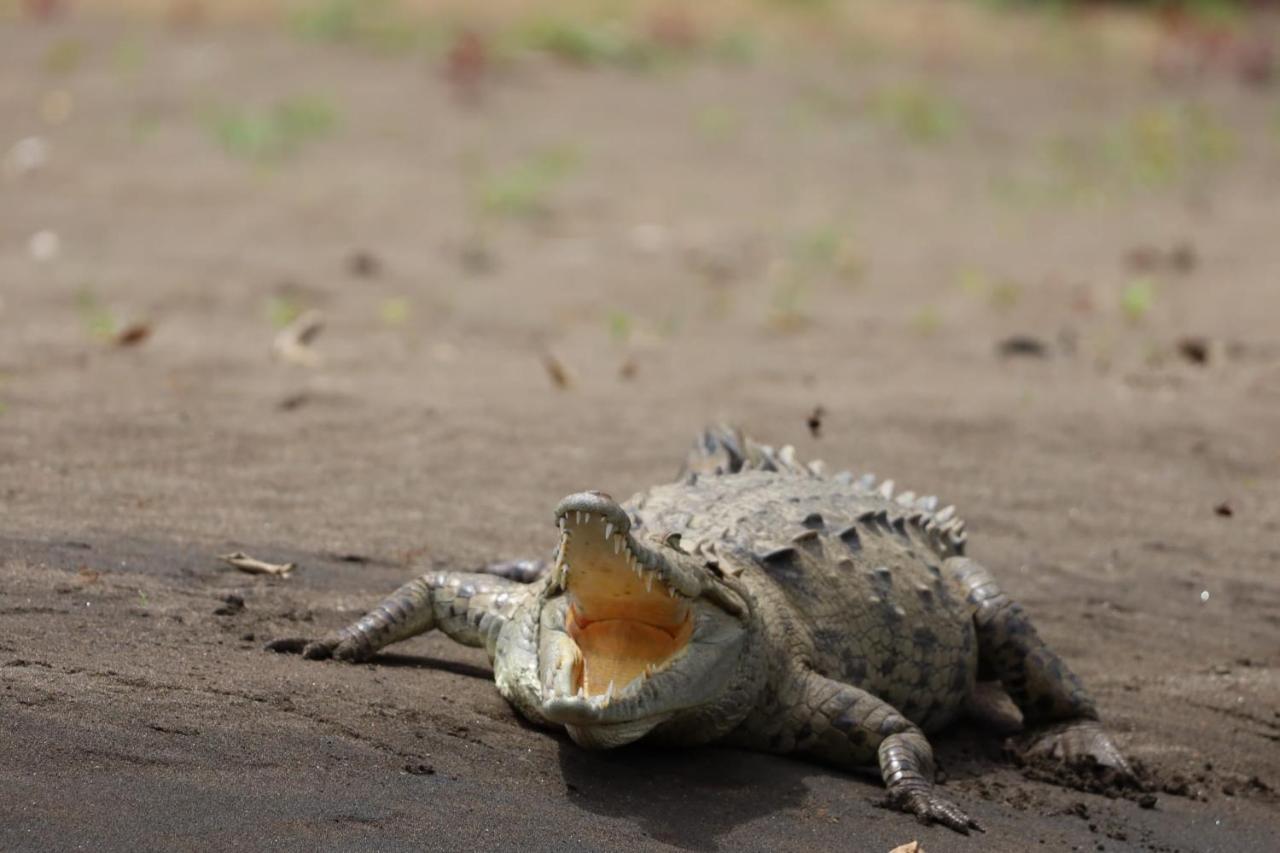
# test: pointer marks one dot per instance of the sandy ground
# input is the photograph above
(725, 241)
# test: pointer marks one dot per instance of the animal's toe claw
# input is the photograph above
(1081, 746)
(286, 645)
(319, 649)
(929, 807)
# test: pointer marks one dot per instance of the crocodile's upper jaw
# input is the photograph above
(628, 639)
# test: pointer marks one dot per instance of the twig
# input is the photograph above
(248, 564)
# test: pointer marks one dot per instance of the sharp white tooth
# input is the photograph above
(617, 544)
(648, 582)
(560, 522)
(582, 691)
(608, 693)
(608, 532)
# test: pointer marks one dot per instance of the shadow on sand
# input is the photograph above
(686, 798)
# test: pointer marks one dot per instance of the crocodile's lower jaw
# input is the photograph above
(616, 734)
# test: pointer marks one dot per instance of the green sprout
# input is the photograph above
(272, 134)
(927, 320)
(64, 56)
(917, 113)
(96, 318)
(524, 190)
(395, 311)
(789, 305)
(620, 327)
(1137, 298)
(718, 123)
(282, 310)
(588, 43)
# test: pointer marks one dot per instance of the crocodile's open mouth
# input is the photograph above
(626, 621)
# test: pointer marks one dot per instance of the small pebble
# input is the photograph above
(44, 246)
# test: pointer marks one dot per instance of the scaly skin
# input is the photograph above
(834, 621)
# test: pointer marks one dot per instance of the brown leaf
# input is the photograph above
(132, 334)
(556, 370)
(814, 421)
(1194, 350)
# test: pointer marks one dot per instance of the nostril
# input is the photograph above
(599, 494)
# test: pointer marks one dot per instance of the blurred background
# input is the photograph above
(371, 285)
(527, 216)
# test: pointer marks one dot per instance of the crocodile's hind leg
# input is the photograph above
(1061, 715)
(470, 607)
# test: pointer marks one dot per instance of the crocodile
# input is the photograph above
(755, 601)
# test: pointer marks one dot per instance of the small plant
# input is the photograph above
(523, 190)
(1165, 144)
(282, 310)
(376, 24)
(587, 43)
(394, 311)
(927, 320)
(1137, 298)
(96, 318)
(64, 56)
(829, 249)
(129, 55)
(736, 47)
(975, 283)
(620, 327)
(718, 123)
(1005, 293)
(916, 112)
(272, 134)
(331, 20)
(789, 310)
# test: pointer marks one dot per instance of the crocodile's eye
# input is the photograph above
(672, 540)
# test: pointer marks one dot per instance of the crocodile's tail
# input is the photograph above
(726, 449)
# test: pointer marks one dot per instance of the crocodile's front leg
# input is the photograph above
(470, 607)
(840, 724)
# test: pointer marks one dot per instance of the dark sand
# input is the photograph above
(136, 716)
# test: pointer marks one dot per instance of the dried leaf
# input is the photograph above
(1023, 345)
(814, 421)
(556, 370)
(293, 342)
(909, 847)
(132, 334)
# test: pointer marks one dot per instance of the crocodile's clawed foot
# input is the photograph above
(287, 645)
(336, 646)
(930, 807)
(1082, 747)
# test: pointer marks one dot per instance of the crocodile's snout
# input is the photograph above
(595, 502)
